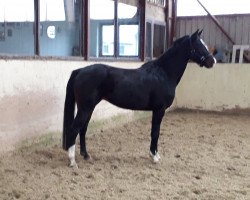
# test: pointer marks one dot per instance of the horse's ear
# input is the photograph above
(200, 32)
(195, 34)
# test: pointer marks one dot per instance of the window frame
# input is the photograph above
(160, 3)
(116, 43)
(117, 22)
(152, 24)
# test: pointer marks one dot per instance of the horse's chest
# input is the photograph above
(163, 97)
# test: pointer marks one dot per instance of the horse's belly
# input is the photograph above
(129, 101)
(140, 100)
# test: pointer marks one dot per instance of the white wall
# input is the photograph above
(224, 87)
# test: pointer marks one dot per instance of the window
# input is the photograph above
(107, 40)
(128, 40)
(60, 27)
(111, 34)
(65, 28)
(149, 39)
(16, 27)
(101, 28)
(128, 22)
(60, 32)
(158, 40)
(155, 39)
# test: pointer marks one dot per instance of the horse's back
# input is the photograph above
(90, 75)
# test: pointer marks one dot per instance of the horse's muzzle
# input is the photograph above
(209, 61)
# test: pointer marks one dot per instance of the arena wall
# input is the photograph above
(32, 94)
(225, 87)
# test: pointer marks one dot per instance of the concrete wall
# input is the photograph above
(32, 94)
(224, 87)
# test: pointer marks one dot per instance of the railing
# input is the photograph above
(157, 2)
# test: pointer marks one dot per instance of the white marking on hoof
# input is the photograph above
(71, 154)
(73, 164)
(156, 157)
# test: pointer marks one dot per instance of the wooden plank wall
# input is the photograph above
(237, 26)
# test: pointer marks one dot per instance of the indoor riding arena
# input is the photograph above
(204, 138)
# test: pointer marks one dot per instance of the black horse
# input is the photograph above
(150, 87)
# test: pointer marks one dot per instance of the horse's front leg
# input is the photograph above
(155, 132)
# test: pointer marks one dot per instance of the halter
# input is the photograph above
(196, 56)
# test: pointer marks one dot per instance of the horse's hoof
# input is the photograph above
(156, 157)
(73, 165)
(86, 157)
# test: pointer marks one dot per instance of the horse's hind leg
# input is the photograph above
(75, 128)
(83, 149)
(80, 125)
(77, 125)
(71, 150)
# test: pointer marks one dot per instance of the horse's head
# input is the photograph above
(199, 52)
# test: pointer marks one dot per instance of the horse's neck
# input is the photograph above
(174, 65)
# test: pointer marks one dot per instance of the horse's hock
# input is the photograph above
(32, 94)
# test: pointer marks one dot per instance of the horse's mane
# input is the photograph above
(172, 50)
(180, 40)
(170, 53)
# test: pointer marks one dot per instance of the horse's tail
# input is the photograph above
(69, 110)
